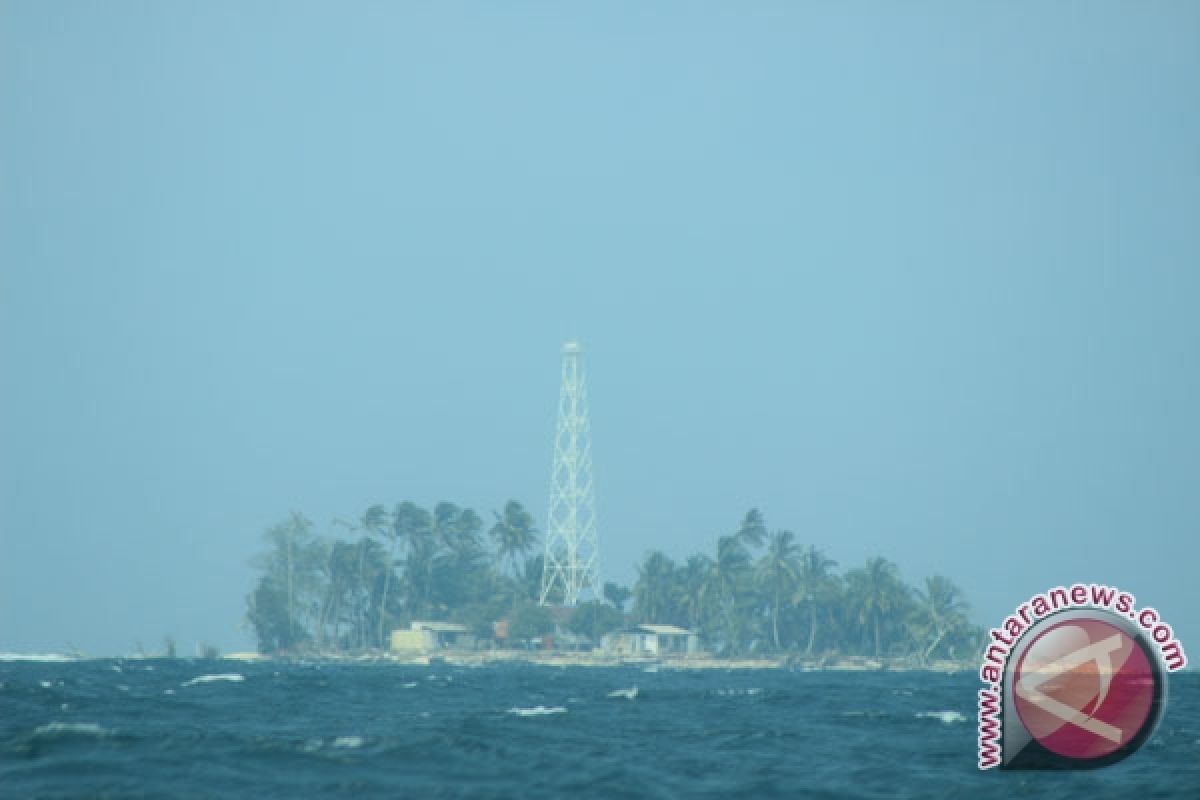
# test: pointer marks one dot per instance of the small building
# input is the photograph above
(424, 636)
(652, 640)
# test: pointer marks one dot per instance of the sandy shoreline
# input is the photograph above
(561, 659)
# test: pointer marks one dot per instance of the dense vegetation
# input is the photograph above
(759, 591)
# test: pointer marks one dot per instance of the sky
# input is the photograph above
(917, 280)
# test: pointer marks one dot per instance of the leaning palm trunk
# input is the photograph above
(941, 634)
(291, 612)
(812, 628)
(362, 587)
(775, 619)
(387, 579)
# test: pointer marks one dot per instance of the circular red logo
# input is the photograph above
(1084, 688)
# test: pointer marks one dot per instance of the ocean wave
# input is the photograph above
(947, 717)
(737, 692)
(44, 657)
(71, 728)
(863, 714)
(537, 711)
(629, 694)
(225, 676)
(340, 742)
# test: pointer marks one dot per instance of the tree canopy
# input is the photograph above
(758, 590)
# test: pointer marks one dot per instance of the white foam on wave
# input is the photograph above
(74, 728)
(629, 694)
(737, 692)
(348, 742)
(537, 711)
(410, 685)
(225, 676)
(44, 657)
(946, 717)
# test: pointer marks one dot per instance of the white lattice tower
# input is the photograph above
(571, 558)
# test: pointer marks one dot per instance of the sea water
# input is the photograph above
(184, 728)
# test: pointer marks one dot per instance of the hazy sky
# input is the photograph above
(920, 280)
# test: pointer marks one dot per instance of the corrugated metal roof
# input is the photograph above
(669, 630)
(439, 627)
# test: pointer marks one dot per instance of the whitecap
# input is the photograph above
(737, 692)
(45, 684)
(44, 657)
(947, 717)
(411, 685)
(537, 711)
(75, 728)
(228, 676)
(348, 742)
(169, 691)
(629, 694)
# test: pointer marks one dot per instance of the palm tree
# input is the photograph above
(724, 584)
(339, 582)
(777, 574)
(616, 595)
(875, 591)
(941, 608)
(652, 593)
(411, 524)
(694, 597)
(374, 522)
(815, 584)
(514, 533)
(753, 530)
(527, 582)
(446, 529)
